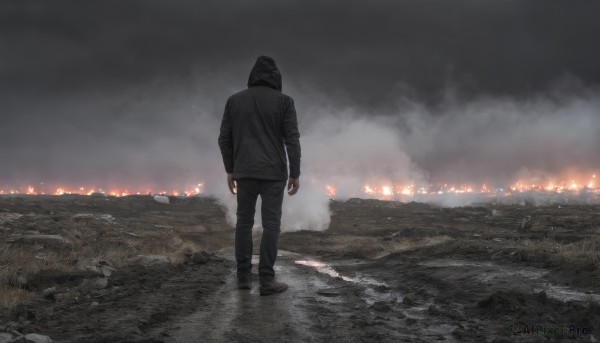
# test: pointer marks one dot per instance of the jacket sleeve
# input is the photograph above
(226, 139)
(291, 137)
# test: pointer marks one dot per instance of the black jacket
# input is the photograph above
(257, 124)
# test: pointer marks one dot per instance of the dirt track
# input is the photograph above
(384, 271)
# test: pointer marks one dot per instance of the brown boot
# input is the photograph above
(245, 281)
(272, 287)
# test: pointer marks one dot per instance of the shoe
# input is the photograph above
(245, 281)
(272, 287)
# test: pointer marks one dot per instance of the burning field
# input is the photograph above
(450, 179)
(99, 268)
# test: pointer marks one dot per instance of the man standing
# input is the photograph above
(257, 124)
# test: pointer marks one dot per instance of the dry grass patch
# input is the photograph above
(18, 260)
(121, 251)
(586, 251)
(356, 245)
(10, 298)
(395, 245)
(24, 261)
(373, 247)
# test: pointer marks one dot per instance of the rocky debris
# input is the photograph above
(201, 257)
(100, 283)
(52, 293)
(62, 297)
(107, 270)
(52, 240)
(101, 267)
(161, 199)
(152, 260)
(48, 293)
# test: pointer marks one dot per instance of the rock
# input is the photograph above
(48, 293)
(107, 271)
(152, 260)
(95, 303)
(22, 280)
(37, 338)
(161, 199)
(100, 283)
(61, 297)
(89, 266)
(198, 257)
(56, 240)
(5, 337)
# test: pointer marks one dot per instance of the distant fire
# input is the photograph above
(393, 190)
(116, 191)
(382, 190)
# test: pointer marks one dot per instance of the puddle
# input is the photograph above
(564, 294)
(325, 268)
(367, 283)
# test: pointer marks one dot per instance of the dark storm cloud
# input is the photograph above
(364, 51)
(131, 91)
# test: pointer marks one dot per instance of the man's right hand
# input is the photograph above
(231, 184)
(293, 185)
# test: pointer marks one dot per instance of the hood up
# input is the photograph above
(265, 73)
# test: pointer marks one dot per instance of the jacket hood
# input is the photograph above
(265, 73)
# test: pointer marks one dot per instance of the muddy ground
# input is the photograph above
(383, 272)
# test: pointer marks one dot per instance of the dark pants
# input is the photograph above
(271, 194)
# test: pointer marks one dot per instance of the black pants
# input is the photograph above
(271, 194)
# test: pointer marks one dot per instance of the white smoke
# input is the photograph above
(493, 141)
(346, 152)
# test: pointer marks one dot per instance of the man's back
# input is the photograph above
(258, 124)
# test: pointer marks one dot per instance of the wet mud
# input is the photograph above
(383, 272)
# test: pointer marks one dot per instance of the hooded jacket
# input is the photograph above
(259, 125)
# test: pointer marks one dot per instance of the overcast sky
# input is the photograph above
(130, 91)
